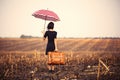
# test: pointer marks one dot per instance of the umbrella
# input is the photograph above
(46, 15)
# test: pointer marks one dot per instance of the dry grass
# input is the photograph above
(24, 59)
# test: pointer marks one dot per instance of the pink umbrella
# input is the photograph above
(46, 15)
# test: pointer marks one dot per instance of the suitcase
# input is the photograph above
(56, 58)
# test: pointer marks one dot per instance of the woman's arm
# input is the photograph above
(56, 49)
(44, 35)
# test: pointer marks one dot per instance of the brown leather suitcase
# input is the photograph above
(56, 58)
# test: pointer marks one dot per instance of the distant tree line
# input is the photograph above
(27, 36)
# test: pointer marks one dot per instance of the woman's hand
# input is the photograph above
(56, 49)
(43, 31)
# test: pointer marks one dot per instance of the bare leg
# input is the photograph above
(49, 67)
(52, 67)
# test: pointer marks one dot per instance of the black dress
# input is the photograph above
(51, 36)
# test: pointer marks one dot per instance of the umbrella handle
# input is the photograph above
(44, 26)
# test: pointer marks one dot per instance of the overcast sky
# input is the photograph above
(79, 18)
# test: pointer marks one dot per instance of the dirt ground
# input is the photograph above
(24, 59)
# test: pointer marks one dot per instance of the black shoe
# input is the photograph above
(50, 71)
(53, 71)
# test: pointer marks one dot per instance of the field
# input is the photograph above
(24, 59)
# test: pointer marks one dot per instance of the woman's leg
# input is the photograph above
(52, 67)
(49, 68)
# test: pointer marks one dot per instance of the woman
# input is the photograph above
(52, 43)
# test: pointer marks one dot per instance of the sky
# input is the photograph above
(78, 18)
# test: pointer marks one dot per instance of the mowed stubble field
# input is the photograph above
(74, 45)
(19, 57)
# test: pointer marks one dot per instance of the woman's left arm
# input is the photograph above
(44, 35)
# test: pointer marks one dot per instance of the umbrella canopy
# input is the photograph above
(46, 15)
